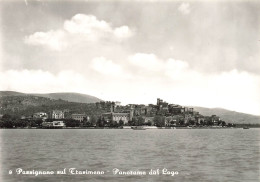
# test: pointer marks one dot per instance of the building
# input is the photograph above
(175, 109)
(111, 116)
(117, 103)
(40, 115)
(200, 119)
(215, 119)
(54, 124)
(79, 117)
(57, 114)
(149, 120)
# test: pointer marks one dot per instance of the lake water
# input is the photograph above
(197, 154)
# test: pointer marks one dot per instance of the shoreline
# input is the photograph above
(106, 128)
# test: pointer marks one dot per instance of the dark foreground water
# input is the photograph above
(197, 154)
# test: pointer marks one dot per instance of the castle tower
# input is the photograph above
(158, 101)
(131, 114)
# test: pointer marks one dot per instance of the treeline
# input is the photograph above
(248, 125)
(8, 121)
(18, 106)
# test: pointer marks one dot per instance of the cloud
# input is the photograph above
(176, 69)
(78, 29)
(105, 66)
(86, 24)
(184, 8)
(123, 32)
(51, 39)
(174, 78)
(32, 81)
(146, 61)
(172, 68)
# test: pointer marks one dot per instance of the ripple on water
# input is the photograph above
(198, 155)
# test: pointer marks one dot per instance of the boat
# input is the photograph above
(246, 127)
(138, 128)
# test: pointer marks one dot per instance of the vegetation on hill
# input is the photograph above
(230, 116)
(26, 105)
(71, 97)
(10, 93)
(66, 96)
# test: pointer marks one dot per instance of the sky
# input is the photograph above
(195, 53)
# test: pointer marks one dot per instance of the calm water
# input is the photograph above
(198, 155)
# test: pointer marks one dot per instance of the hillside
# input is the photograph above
(10, 93)
(71, 97)
(229, 116)
(67, 96)
(26, 105)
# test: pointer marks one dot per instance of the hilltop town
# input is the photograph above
(100, 114)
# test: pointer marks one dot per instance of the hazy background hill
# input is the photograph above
(26, 105)
(229, 116)
(71, 97)
(10, 93)
(67, 96)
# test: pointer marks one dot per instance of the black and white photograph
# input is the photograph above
(130, 90)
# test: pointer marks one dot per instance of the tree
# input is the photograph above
(38, 122)
(100, 122)
(148, 123)
(181, 122)
(209, 122)
(121, 122)
(201, 122)
(159, 121)
(7, 121)
(140, 121)
(1, 124)
(20, 123)
(72, 123)
(87, 123)
(93, 120)
(6, 117)
(191, 122)
(134, 121)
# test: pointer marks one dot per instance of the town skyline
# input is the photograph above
(191, 53)
(84, 98)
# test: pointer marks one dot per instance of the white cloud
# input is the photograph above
(176, 69)
(87, 26)
(33, 81)
(184, 8)
(123, 32)
(52, 39)
(78, 29)
(105, 66)
(146, 61)
(176, 79)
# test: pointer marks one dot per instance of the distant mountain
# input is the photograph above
(229, 116)
(26, 105)
(67, 96)
(10, 93)
(71, 97)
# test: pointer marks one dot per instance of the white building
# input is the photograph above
(57, 114)
(54, 124)
(79, 117)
